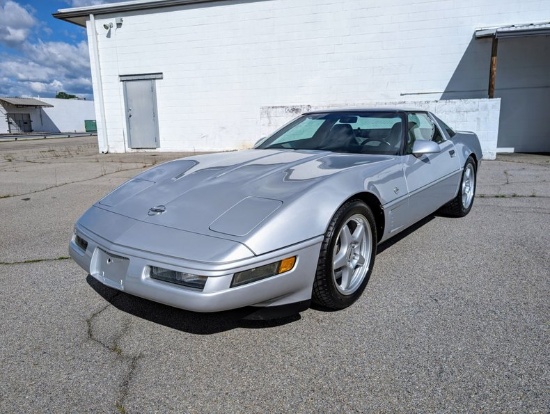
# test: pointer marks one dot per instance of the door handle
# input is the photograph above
(452, 153)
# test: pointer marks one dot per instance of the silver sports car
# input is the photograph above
(294, 220)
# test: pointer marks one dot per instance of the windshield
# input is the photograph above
(355, 132)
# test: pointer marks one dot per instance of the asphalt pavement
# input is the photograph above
(455, 317)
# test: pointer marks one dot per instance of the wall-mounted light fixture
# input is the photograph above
(118, 21)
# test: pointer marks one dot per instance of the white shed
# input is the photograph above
(25, 115)
(185, 75)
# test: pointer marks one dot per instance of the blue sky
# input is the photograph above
(41, 55)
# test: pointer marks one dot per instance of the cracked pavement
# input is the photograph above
(455, 317)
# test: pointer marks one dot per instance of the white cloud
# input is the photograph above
(15, 24)
(39, 67)
(38, 87)
(46, 58)
(67, 57)
(47, 68)
(22, 70)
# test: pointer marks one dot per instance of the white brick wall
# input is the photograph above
(221, 62)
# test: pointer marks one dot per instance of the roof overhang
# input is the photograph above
(25, 102)
(79, 15)
(514, 30)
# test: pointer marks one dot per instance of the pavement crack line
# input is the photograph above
(132, 361)
(126, 382)
(71, 182)
(510, 196)
(89, 323)
(55, 259)
(48, 161)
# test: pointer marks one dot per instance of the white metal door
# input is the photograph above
(141, 113)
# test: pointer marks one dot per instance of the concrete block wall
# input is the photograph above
(478, 115)
(223, 61)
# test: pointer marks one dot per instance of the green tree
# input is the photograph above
(64, 95)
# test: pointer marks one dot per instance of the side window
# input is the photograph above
(421, 127)
(446, 127)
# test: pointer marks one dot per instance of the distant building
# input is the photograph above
(20, 115)
(218, 74)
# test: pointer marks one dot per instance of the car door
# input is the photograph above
(432, 179)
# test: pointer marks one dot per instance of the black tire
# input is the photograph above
(338, 287)
(464, 200)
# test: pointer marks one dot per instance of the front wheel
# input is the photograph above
(462, 203)
(347, 256)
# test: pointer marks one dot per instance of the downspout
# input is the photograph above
(102, 127)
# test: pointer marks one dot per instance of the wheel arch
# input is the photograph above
(374, 204)
(474, 157)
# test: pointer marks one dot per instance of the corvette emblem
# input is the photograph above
(155, 211)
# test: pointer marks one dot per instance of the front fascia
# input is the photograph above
(218, 295)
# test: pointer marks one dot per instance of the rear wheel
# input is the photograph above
(347, 256)
(462, 203)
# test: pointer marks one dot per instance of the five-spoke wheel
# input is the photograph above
(468, 185)
(347, 256)
(351, 254)
(462, 203)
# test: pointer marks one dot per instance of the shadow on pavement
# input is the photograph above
(397, 238)
(182, 320)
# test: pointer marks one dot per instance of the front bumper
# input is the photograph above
(127, 269)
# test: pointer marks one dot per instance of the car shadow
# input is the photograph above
(182, 320)
(409, 230)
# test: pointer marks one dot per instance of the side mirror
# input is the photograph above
(259, 142)
(422, 147)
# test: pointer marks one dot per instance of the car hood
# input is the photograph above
(226, 194)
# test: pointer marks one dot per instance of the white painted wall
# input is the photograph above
(221, 62)
(66, 115)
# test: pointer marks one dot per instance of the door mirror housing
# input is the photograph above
(422, 147)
